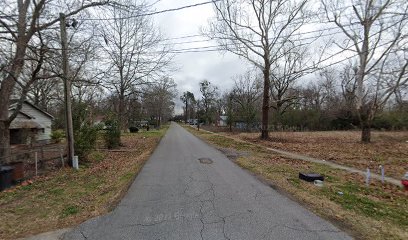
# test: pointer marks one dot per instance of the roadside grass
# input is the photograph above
(67, 197)
(388, 149)
(153, 132)
(374, 212)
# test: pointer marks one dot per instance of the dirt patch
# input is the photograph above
(205, 160)
(232, 154)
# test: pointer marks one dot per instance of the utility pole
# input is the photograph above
(198, 115)
(229, 117)
(67, 91)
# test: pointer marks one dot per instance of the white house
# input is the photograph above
(31, 125)
(222, 121)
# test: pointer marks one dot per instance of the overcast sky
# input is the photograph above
(217, 67)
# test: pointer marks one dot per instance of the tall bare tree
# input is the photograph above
(20, 23)
(257, 30)
(83, 70)
(246, 93)
(159, 99)
(189, 100)
(286, 71)
(209, 94)
(135, 57)
(376, 31)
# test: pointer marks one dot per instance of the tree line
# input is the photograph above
(324, 103)
(118, 65)
(371, 37)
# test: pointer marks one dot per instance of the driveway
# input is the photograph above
(189, 190)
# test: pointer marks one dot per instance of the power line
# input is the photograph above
(301, 39)
(294, 34)
(138, 15)
(207, 40)
(209, 48)
(326, 59)
(152, 13)
(215, 46)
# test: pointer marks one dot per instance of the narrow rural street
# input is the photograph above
(177, 196)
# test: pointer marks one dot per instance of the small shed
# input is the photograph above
(31, 125)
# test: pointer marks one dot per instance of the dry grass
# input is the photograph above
(389, 149)
(68, 197)
(374, 212)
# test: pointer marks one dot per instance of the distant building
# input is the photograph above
(192, 121)
(31, 125)
(98, 119)
(222, 121)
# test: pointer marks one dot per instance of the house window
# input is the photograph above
(16, 136)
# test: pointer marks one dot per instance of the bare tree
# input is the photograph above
(246, 94)
(133, 51)
(20, 23)
(189, 100)
(83, 70)
(257, 30)
(209, 94)
(285, 73)
(376, 32)
(322, 95)
(401, 96)
(159, 99)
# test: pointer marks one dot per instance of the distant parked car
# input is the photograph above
(193, 121)
(133, 129)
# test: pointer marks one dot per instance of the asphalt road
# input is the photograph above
(175, 196)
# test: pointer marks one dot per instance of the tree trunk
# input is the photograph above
(366, 115)
(6, 89)
(4, 142)
(247, 122)
(121, 112)
(186, 117)
(159, 120)
(265, 102)
(366, 133)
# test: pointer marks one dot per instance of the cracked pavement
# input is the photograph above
(177, 197)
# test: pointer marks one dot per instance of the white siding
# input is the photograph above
(42, 119)
(19, 116)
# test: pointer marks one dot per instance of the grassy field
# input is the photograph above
(67, 197)
(389, 149)
(374, 212)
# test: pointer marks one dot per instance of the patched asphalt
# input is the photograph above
(190, 190)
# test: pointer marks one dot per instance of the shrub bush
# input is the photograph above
(85, 132)
(85, 140)
(57, 135)
(112, 133)
(133, 129)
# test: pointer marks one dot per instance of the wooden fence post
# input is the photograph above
(62, 157)
(36, 163)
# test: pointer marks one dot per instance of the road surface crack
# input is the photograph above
(144, 224)
(83, 235)
(311, 230)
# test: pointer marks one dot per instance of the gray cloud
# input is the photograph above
(216, 67)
